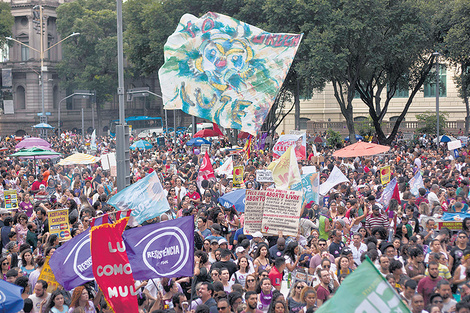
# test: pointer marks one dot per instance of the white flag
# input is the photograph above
(226, 168)
(336, 177)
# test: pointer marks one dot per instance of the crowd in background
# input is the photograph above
(233, 272)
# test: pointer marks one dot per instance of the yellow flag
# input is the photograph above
(285, 170)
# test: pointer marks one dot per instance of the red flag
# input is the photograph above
(396, 194)
(111, 266)
(217, 130)
(206, 172)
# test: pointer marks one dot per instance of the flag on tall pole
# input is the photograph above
(388, 193)
(206, 172)
(364, 291)
(285, 170)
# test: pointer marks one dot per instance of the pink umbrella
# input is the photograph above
(32, 142)
(360, 148)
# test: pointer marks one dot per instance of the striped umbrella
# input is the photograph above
(79, 158)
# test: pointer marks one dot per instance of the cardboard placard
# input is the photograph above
(454, 144)
(281, 212)
(264, 176)
(48, 276)
(205, 147)
(254, 201)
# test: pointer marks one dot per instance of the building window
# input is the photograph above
(395, 118)
(400, 93)
(55, 97)
(303, 123)
(430, 87)
(360, 119)
(24, 51)
(20, 98)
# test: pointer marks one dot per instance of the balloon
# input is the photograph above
(196, 151)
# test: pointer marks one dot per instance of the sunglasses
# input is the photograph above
(437, 301)
(463, 237)
(222, 308)
(5, 263)
(322, 244)
(326, 266)
(250, 280)
(264, 275)
(298, 287)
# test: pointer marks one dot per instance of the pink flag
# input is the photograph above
(206, 172)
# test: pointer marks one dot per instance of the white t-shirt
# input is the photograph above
(37, 302)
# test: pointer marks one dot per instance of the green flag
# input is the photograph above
(365, 291)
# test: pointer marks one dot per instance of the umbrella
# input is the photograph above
(234, 198)
(358, 137)
(36, 153)
(360, 149)
(79, 158)
(197, 142)
(445, 138)
(10, 297)
(141, 145)
(32, 142)
(206, 133)
(43, 125)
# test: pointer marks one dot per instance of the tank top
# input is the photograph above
(323, 234)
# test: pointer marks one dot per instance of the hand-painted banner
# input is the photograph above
(254, 202)
(71, 263)
(285, 170)
(226, 168)
(111, 266)
(281, 212)
(285, 141)
(161, 250)
(224, 70)
(145, 198)
(59, 224)
(48, 276)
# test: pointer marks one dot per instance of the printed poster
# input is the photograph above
(285, 141)
(48, 276)
(11, 199)
(59, 224)
(385, 174)
(237, 176)
(264, 176)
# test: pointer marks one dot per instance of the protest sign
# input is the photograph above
(164, 249)
(48, 276)
(454, 144)
(11, 199)
(385, 174)
(237, 176)
(254, 200)
(111, 266)
(309, 185)
(281, 212)
(205, 147)
(299, 143)
(264, 176)
(59, 224)
(309, 169)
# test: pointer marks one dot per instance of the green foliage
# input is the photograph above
(365, 128)
(89, 60)
(334, 139)
(6, 21)
(429, 121)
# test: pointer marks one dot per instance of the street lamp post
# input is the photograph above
(41, 52)
(84, 94)
(437, 54)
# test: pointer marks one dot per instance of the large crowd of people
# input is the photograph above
(428, 266)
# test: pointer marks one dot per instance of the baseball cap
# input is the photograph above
(214, 241)
(4, 211)
(258, 234)
(222, 241)
(239, 250)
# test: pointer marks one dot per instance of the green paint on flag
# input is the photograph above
(365, 291)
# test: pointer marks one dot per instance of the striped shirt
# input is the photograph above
(376, 221)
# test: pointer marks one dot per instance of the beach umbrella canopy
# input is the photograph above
(358, 137)
(43, 125)
(36, 153)
(197, 142)
(206, 133)
(360, 149)
(10, 297)
(234, 198)
(445, 138)
(141, 145)
(243, 135)
(79, 158)
(32, 142)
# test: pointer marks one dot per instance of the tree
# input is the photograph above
(366, 45)
(456, 48)
(6, 22)
(429, 121)
(89, 60)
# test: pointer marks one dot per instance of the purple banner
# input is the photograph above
(161, 250)
(71, 263)
(262, 141)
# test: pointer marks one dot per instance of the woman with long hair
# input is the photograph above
(278, 306)
(294, 301)
(225, 279)
(21, 228)
(207, 246)
(250, 282)
(171, 288)
(81, 298)
(26, 205)
(55, 304)
(292, 255)
(261, 261)
(27, 262)
(343, 266)
(265, 294)
(5, 266)
(243, 270)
